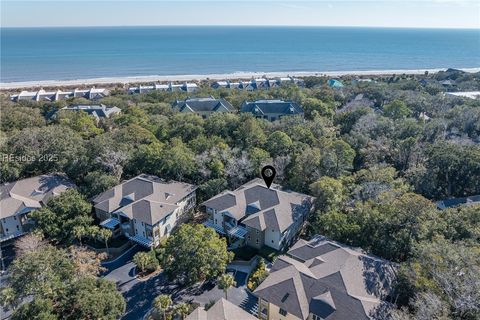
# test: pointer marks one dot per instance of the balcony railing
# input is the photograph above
(11, 236)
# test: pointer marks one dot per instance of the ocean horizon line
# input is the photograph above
(243, 75)
(239, 26)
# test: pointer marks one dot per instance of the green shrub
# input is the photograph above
(146, 261)
(258, 275)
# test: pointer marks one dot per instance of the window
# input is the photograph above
(272, 241)
(264, 311)
(283, 312)
(258, 232)
(256, 241)
(14, 217)
(315, 317)
(18, 227)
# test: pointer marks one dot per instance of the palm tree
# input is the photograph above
(225, 281)
(79, 232)
(8, 299)
(162, 303)
(182, 309)
(105, 235)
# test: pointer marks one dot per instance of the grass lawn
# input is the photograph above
(246, 253)
(268, 253)
(112, 243)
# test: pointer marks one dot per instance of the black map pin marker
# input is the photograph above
(268, 174)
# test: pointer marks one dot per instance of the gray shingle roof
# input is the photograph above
(261, 107)
(203, 104)
(31, 193)
(277, 208)
(328, 279)
(97, 110)
(146, 198)
(221, 310)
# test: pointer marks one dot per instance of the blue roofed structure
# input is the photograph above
(334, 83)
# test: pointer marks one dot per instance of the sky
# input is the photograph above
(372, 13)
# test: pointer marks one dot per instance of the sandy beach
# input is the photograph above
(199, 77)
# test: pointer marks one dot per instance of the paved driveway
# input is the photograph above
(238, 295)
(123, 259)
(139, 295)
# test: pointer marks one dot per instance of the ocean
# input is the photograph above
(29, 54)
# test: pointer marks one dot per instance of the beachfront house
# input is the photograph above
(220, 310)
(19, 198)
(145, 209)
(169, 87)
(323, 279)
(204, 107)
(42, 95)
(272, 109)
(255, 84)
(257, 216)
(98, 111)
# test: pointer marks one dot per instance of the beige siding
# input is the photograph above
(274, 314)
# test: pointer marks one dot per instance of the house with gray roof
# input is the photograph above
(258, 216)
(170, 87)
(42, 95)
(98, 111)
(145, 209)
(19, 198)
(323, 279)
(256, 84)
(272, 109)
(221, 310)
(203, 106)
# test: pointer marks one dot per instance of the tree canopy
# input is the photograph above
(195, 253)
